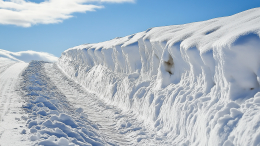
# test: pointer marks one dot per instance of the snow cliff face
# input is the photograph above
(195, 84)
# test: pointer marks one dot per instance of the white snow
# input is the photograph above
(11, 111)
(52, 121)
(191, 84)
(194, 84)
(27, 56)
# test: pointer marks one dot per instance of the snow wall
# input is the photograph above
(196, 84)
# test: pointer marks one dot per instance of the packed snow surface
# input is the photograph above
(192, 84)
(42, 106)
(26, 56)
(11, 111)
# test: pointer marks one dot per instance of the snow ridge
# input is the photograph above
(196, 84)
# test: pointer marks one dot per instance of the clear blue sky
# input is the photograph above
(115, 20)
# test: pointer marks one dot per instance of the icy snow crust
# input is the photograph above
(196, 84)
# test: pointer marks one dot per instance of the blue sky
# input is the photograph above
(109, 20)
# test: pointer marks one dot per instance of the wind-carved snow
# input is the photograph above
(195, 84)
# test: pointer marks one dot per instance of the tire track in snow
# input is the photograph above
(8, 80)
(61, 112)
(82, 99)
(11, 112)
(116, 127)
(53, 121)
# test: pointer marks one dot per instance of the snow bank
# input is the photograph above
(196, 84)
(27, 56)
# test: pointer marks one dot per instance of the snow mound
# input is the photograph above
(27, 56)
(196, 84)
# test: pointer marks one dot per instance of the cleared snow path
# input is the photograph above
(11, 111)
(61, 112)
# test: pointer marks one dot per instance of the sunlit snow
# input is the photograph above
(191, 84)
(194, 84)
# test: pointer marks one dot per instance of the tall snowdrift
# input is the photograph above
(27, 56)
(196, 84)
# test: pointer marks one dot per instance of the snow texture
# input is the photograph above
(194, 84)
(54, 110)
(11, 111)
(26, 56)
(52, 121)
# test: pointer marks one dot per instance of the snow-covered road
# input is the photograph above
(40, 105)
(11, 112)
(116, 127)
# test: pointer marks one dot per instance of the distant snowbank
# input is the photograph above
(28, 56)
(196, 84)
